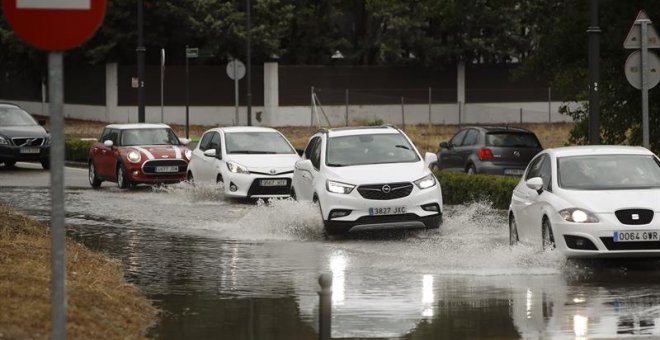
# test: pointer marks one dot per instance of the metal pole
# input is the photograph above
(346, 107)
(236, 91)
(140, 59)
(549, 104)
(249, 67)
(43, 96)
(311, 113)
(594, 74)
(403, 115)
(645, 85)
(325, 307)
(162, 85)
(187, 94)
(430, 103)
(521, 112)
(58, 272)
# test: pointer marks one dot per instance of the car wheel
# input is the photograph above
(45, 164)
(471, 170)
(292, 192)
(10, 164)
(122, 177)
(93, 176)
(189, 178)
(513, 231)
(548, 238)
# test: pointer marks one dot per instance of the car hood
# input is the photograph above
(23, 131)
(608, 201)
(160, 151)
(265, 162)
(378, 173)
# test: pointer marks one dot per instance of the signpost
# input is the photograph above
(56, 26)
(236, 72)
(162, 85)
(190, 53)
(643, 67)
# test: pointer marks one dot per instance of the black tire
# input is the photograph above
(190, 179)
(122, 177)
(547, 237)
(94, 180)
(10, 164)
(45, 163)
(513, 231)
(292, 192)
(471, 169)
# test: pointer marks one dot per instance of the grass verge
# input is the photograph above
(100, 303)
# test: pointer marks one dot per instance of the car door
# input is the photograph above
(466, 148)
(524, 202)
(107, 159)
(448, 157)
(198, 158)
(303, 179)
(208, 166)
(539, 201)
(97, 150)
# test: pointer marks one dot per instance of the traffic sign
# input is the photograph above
(192, 52)
(54, 25)
(633, 39)
(634, 69)
(236, 69)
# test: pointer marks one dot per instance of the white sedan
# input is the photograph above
(250, 161)
(589, 201)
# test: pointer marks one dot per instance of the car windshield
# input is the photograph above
(608, 172)
(512, 139)
(369, 149)
(156, 136)
(257, 143)
(13, 116)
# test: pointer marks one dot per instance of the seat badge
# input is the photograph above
(516, 153)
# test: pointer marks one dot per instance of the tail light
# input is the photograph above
(485, 154)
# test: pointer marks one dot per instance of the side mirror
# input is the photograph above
(184, 141)
(305, 165)
(430, 159)
(444, 145)
(211, 153)
(41, 122)
(535, 184)
(108, 143)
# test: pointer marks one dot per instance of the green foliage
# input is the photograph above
(459, 188)
(77, 150)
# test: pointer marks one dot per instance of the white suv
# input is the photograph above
(368, 178)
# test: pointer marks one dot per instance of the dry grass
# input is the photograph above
(425, 138)
(101, 305)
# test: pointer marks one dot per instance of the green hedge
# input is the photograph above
(77, 150)
(459, 188)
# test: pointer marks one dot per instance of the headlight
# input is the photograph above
(47, 141)
(188, 154)
(134, 156)
(338, 187)
(426, 182)
(578, 216)
(3, 141)
(237, 168)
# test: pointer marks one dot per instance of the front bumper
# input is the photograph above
(249, 185)
(14, 153)
(600, 235)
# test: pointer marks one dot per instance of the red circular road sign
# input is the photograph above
(54, 25)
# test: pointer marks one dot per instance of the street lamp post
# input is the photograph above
(140, 60)
(248, 97)
(594, 74)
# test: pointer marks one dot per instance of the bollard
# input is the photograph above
(325, 307)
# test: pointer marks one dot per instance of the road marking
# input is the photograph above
(54, 4)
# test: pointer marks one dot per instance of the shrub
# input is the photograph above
(459, 188)
(77, 150)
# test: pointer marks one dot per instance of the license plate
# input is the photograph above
(273, 182)
(636, 236)
(30, 150)
(517, 172)
(387, 211)
(167, 169)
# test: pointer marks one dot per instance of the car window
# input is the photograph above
(265, 142)
(534, 169)
(546, 174)
(215, 142)
(206, 140)
(512, 139)
(149, 136)
(608, 172)
(369, 149)
(105, 134)
(471, 137)
(310, 145)
(458, 138)
(114, 136)
(315, 156)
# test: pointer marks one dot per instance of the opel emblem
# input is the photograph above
(635, 217)
(273, 171)
(516, 153)
(386, 189)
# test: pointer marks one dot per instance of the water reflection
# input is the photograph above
(338, 268)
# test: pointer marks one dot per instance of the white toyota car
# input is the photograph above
(250, 161)
(368, 178)
(589, 201)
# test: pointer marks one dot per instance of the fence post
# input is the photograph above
(325, 307)
(403, 115)
(346, 107)
(521, 119)
(311, 113)
(460, 112)
(430, 103)
(549, 104)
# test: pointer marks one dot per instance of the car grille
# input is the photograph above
(634, 216)
(27, 141)
(642, 245)
(149, 167)
(256, 189)
(378, 191)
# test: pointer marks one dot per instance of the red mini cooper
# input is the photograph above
(130, 154)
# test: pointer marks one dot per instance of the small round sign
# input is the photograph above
(236, 69)
(634, 68)
(54, 25)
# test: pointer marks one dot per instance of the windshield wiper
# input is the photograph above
(336, 164)
(252, 152)
(402, 147)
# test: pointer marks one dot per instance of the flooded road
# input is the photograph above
(239, 270)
